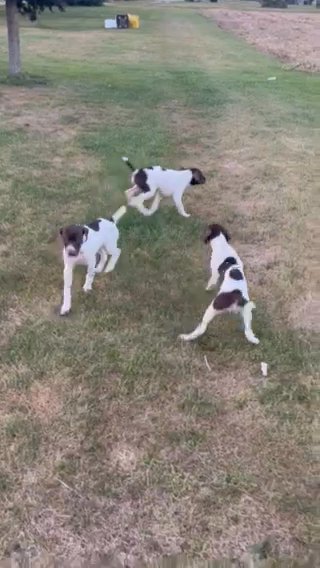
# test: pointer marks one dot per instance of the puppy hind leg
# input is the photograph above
(114, 253)
(247, 320)
(89, 277)
(201, 328)
(102, 262)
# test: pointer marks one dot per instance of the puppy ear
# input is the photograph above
(85, 232)
(195, 174)
(207, 236)
(226, 234)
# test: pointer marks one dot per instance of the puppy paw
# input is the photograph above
(187, 215)
(253, 339)
(184, 336)
(87, 289)
(64, 311)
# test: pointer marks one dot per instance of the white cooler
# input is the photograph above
(110, 24)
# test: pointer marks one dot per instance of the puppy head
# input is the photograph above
(73, 237)
(197, 177)
(214, 231)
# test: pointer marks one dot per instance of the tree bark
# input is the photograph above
(13, 37)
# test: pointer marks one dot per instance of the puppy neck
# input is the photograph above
(218, 242)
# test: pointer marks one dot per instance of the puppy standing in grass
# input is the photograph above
(156, 182)
(233, 296)
(82, 244)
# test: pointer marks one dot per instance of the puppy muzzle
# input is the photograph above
(71, 251)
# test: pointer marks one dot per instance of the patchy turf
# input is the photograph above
(292, 37)
(115, 439)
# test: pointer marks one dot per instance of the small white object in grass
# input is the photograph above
(264, 369)
(272, 78)
(207, 364)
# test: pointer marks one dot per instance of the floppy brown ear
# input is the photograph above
(196, 174)
(85, 232)
(207, 236)
(226, 234)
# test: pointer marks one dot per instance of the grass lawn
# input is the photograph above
(116, 439)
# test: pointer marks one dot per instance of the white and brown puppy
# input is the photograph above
(233, 296)
(158, 182)
(82, 245)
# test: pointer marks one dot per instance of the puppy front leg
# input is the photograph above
(115, 253)
(212, 281)
(67, 284)
(89, 277)
(177, 198)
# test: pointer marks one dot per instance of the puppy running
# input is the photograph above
(233, 296)
(82, 245)
(156, 182)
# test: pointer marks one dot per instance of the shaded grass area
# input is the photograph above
(114, 437)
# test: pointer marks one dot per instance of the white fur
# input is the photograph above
(221, 250)
(105, 242)
(162, 183)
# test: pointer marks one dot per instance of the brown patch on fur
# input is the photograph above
(236, 274)
(140, 179)
(225, 300)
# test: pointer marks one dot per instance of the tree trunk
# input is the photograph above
(13, 37)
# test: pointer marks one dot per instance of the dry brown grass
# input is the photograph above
(293, 38)
(246, 190)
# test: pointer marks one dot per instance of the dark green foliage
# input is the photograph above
(274, 4)
(32, 8)
(83, 2)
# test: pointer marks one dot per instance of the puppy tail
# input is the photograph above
(127, 161)
(119, 213)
